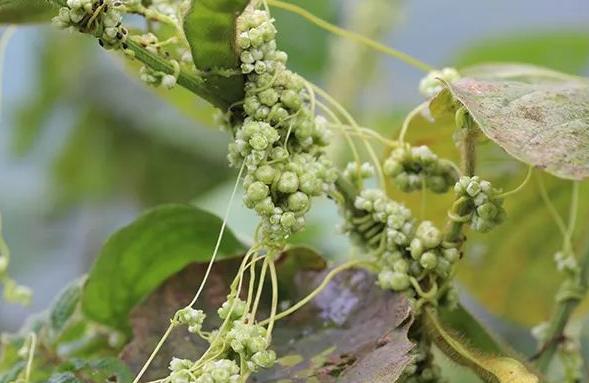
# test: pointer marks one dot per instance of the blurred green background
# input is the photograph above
(84, 146)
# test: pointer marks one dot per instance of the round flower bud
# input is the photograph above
(399, 281)
(279, 153)
(177, 364)
(428, 260)
(235, 307)
(256, 344)
(401, 266)
(264, 359)
(473, 188)
(416, 248)
(288, 182)
(246, 57)
(430, 236)
(451, 254)
(265, 174)
(487, 211)
(258, 142)
(392, 167)
(298, 201)
(220, 375)
(310, 184)
(257, 191)
(288, 219)
(291, 99)
(443, 267)
(268, 97)
(265, 207)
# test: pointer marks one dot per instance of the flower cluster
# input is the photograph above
(413, 168)
(432, 84)
(484, 205)
(406, 252)
(101, 18)
(240, 347)
(280, 142)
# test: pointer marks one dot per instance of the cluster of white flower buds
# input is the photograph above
(485, 207)
(101, 18)
(214, 371)
(250, 341)
(281, 142)
(416, 168)
(357, 172)
(432, 84)
(404, 249)
(243, 346)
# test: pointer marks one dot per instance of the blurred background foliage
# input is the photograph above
(84, 146)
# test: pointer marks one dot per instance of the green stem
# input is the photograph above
(560, 318)
(192, 82)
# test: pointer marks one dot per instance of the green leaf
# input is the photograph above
(64, 377)
(492, 368)
(209, 26)
(138, 258)
(10, 375)
(26, 11)
(64, 306)
(540, 117)
(564, 50)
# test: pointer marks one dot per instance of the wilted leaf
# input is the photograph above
(26, 11)
(139, 257)
(352, 329)
(540, 117)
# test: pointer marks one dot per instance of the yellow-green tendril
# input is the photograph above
(406, 58)
(332, 274)
(521, 186)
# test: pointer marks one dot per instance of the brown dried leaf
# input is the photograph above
(352, 330)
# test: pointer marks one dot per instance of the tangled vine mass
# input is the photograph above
(281, 132)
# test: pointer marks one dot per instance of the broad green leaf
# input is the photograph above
(138, 258)
(26, 11)
(492, 368)
(542, 121)
(564, 50)
(209, 26)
